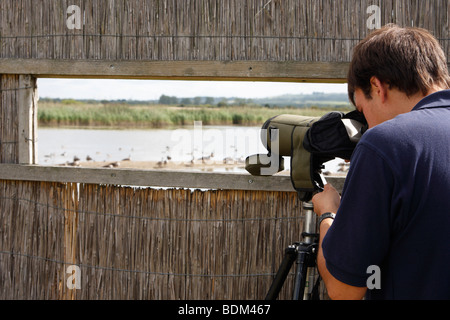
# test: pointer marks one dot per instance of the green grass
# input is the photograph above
(73, 113)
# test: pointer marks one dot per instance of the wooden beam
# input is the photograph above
(152, 178)
(27, 122)
(289, 71)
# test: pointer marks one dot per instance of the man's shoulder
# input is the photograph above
(405, 136)
(391, 140)
(410, 126)
(381, 135)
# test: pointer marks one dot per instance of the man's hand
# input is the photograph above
(326, 201)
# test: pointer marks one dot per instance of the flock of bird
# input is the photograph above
(165, 159)
(76, 160)
(205, 159)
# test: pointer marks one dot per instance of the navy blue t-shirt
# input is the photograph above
(395, 207)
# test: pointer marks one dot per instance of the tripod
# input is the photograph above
(304, 255)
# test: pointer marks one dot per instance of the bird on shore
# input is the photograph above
(228, 160)
(74, 163)
(112, 165)
(343, 167)
(168, 156)
(161, 163)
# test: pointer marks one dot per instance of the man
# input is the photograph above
(392, 223)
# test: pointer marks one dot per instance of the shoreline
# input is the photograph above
(159, 165)
(199, 166)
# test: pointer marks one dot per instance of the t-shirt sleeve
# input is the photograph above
(359, 236)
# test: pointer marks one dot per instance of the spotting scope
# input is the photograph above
(309, 142)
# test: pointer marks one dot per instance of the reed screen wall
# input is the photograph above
(9, 139)
(264, 30)
(142, 243)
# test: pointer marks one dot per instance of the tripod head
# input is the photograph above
(309, 142)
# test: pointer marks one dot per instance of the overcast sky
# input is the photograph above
(153, 89)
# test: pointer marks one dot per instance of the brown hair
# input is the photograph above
(409, 59)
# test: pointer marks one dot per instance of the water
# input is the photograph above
(58, 146)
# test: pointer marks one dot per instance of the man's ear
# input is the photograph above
(379, 88)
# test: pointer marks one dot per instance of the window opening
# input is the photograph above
(168, 125)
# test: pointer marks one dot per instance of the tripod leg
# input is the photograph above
(300, 275)
(306, 257)
(303, 254)
(283, 271)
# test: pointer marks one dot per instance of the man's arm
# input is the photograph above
(336, 289)
(328, 201)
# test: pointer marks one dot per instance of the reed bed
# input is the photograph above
(157, 116)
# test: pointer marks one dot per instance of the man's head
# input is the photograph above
(409, 60)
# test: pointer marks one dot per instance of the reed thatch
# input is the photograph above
(142, 243)
(265, 30)
(9, 134)
(35, 237)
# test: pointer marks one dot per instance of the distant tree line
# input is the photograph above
(197, 101)
(172, 100)
(314, 100)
